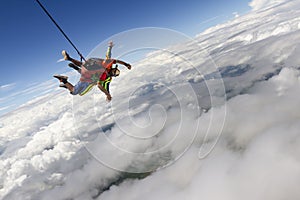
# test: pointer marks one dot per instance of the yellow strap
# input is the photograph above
(105, 82)
(87, 89)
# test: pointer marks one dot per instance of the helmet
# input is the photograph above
(114, 72)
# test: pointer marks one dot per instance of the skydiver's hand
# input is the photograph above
(128, 66)
(108, 97)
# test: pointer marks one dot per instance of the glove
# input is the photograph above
(128, 66)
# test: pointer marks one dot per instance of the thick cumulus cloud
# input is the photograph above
(54, 146)
(257, 156)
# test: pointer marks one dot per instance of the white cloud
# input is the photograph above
(257, 157)
(7, 86)
(6, 107)
(236, 14)
(261, 4)
(210, 20)
(52, 147)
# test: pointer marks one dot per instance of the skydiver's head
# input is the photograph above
(114, 72)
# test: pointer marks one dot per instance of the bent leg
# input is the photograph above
(70, 87)
(68, 57)
(81, 87)
(75, 62)
(78, 69)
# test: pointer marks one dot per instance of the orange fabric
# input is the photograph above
(108, 63)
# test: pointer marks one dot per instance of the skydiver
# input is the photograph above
(93, 72)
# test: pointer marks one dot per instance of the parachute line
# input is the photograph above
(81, 57)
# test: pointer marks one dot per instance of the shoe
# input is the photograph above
(61, 78)
(62, 85)
(73, 66)
(65, 55)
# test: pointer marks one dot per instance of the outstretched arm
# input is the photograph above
(123, 63)
(108, 96)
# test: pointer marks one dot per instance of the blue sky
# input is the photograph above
(31, 44)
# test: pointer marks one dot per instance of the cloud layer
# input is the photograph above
(166, 114)
(262, 4)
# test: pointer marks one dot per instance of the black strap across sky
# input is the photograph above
(81, 57)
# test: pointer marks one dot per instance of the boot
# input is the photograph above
(61, 78)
